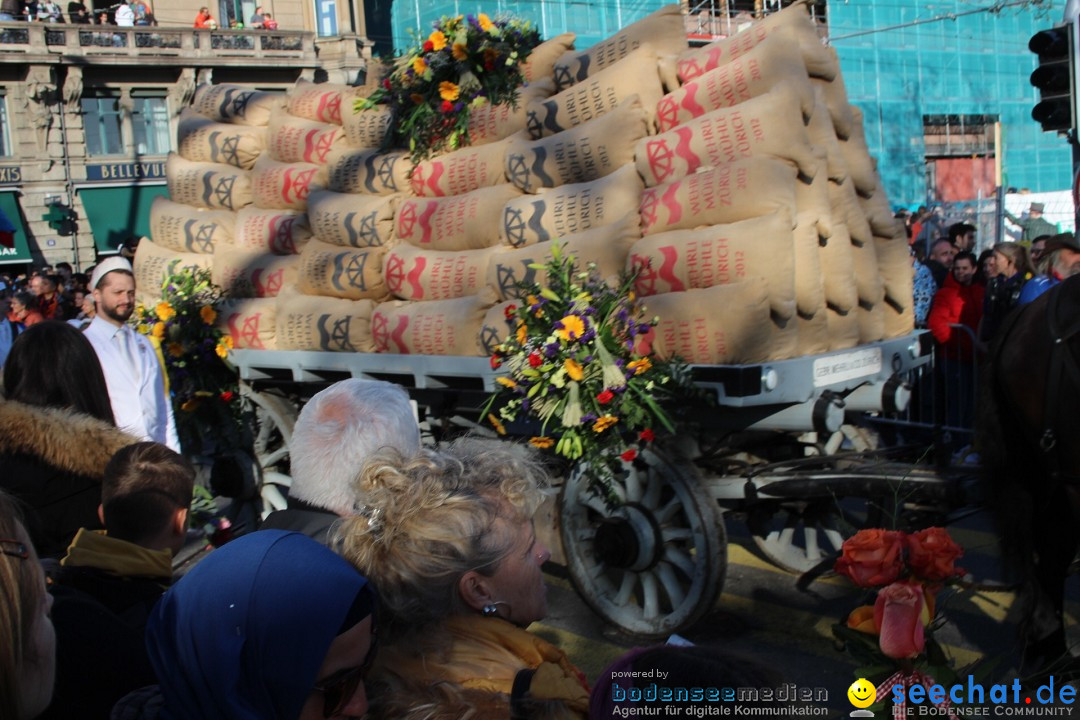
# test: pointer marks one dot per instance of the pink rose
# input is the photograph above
(898, 620)
(872, 557)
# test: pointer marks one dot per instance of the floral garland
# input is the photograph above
(465, 62)
(578, 371)
(205, 392)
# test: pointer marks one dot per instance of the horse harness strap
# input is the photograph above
(1062, 361)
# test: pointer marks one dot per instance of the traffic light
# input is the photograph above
(63, 220)
(1053, 77)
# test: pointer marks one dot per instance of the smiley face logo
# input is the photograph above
(862, 693)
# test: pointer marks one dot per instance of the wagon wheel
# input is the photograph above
(274, 419)
(797, 535)
(654, 564)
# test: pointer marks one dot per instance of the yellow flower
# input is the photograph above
(438, 40)
(573, 369)
(485, 22)
(572, 328)
(496, 423)
(532, 300)
(208, 314)
(159, 330)
(165, 311)
(176, 349)
(541, 442)
(506, 382)
(226, 340)
(222, 351)
(143, 328)
(191, 405)
(419, 65)
(604, 422)
(448, 90)
(522, 334)
(460, 52)
(639, 366)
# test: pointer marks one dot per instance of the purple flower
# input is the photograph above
(551, 349)
(588, 417)
(458, 107)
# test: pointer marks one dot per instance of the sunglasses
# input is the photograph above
(338, 689)
(19, 550)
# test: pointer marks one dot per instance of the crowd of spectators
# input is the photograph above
(126, 13)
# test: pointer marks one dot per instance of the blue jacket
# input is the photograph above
(1035, 287)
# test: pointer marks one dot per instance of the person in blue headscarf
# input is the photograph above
(272, 626)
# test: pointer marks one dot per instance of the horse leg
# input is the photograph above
(1055, 544)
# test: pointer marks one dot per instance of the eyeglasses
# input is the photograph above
(20, 550)
(339, 688)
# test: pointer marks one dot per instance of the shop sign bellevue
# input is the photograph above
(103, 172)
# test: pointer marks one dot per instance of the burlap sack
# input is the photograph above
(370, 172)
(809, 284)
(587, 152)
(605, 248)
(334, 271)
(497, 326)
(435, 327)
(307, 322)
(721, 325)
(879, 213)
(489, 123)
(318, 101)
(571, 208)
(868, 284)
(352, 220)
(458, 222)
(860, 166)
(250, 323)
(725, 194)
(749, 76)
(819, 62)
(898, 322)
(541, 62)
(414, 273)
(285, 186)
(635, 74)
(366, 128)
(237, 105)
(207, 185)
(897, 272)
(871, 320)
(813, 197)
(182, 228)
(278, 232)
(834, 93)
(813, 333)
(843, 328)
(769, 124)
(721, 255)
(847, 209)
(243, 274)
(461, 171)
(295, 140)
(663, 29)
(154, 264)
(783, 339)
(200, 139)
(838, 270)
(823, 136)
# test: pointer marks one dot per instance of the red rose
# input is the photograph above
(447, 106)
(932, 554)
(647, 435)
(605, 397)
(872, 557)
(428, 46)
(227, 396)
(508, 313)
(535, 360)
(386, 83)
(496, 361)
(629, 455)
(898, 620)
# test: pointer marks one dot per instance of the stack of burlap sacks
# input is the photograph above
(745, 196)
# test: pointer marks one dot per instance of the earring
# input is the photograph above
(489, 610)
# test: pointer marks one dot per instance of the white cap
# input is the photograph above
(107, 266)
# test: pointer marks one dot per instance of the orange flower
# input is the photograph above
(572, 328)
(496, 423)
(459, 51)
(485, 22)
(159, 330)
(932, 554)
(862, 619)
(573, 369)
(872, 557)
(639, 366)
(176, 349)
(604, 422)
(165, 311)
(522, 334)
(417, 98)
(448, 90)
(419, 65)
(541, 442)
(208, 314)
(506, 382)
(437, 40)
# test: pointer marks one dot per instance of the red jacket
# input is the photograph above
(956, 304)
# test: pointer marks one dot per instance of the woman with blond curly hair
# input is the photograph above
(448, 538)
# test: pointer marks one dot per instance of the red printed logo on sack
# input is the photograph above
(379, 327)
(246, 334)
(281, 232)
(297, 185)
(407, 219)
(429, 186)
(414, 278)
(646, 276)
(650, 201)
(394, 272)
(398, 335)
(425, 221)
(667, 113)
(667, 269)
(671, 202)
(693, 162)
(317, 145)
(272, 284)
(329, 109)
(660, 158)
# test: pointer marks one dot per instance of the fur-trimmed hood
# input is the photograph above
(64, 439)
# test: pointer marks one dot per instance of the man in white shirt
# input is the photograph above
(125, 15)
(133, 374)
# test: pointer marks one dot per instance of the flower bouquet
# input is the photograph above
(210, 418)
(578, 372)
(894, 637)
(463, 63)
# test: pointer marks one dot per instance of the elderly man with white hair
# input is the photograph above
(337, 431)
